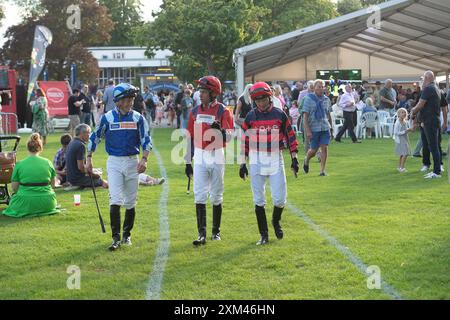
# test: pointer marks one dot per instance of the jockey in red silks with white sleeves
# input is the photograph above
(210, 126)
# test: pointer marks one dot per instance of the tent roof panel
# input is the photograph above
(431, 9)
(445, 31)
(401, 19)
(427, 47)
(413, 32)
(422, 16)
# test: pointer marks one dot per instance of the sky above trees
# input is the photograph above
(13, 12)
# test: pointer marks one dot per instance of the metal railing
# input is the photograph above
(57, 123)
(9, 123)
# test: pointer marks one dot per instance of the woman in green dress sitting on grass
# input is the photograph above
(32, 181)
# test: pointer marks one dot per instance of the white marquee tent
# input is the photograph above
(401, 39)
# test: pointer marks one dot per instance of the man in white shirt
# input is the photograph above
(348, 106)
(196, 97)
(355, 94)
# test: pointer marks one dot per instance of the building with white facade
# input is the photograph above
(129, 64)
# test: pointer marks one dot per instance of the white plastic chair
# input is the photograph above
(448, 126)
(391, 122)
(358, 123)
(337, 123)
(386, 124)
(369, 120)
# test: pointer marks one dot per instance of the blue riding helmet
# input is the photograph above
(124, 90)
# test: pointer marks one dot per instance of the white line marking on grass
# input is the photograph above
(162, 253)
(362, 267)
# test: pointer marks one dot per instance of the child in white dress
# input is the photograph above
(159, 113)
(401, 130)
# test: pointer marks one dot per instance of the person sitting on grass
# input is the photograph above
(59, 161)
(147, 180)
(77, 175)
(32, 181)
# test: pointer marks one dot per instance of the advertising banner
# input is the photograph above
(57, 93)
(42, 39)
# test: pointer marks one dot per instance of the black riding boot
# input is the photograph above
(276, 217)
(262, 225)
(217, 215)
(201, 224)
(114, 214)
(128, 225)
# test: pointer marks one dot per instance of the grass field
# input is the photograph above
(363, 214)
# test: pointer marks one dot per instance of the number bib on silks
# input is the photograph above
(123, 126)
(205, 118)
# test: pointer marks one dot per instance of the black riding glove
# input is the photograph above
(189, 171)
(216, 125)
(243, 172)
(294, 166)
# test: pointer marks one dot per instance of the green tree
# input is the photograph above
(203, 33)
(2, 15)
(348, 6)
(126, 15)
(33, 8)
(68, 45)
(367, 3)
(186, 68)
(282, 16)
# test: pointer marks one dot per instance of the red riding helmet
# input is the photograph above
(260, 89)
(210, 83)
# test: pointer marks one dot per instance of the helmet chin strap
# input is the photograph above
(211, 98)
